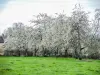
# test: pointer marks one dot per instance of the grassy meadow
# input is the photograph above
(48, 66)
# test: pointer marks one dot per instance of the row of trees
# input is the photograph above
(61, 35)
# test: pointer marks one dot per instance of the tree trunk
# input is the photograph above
(79, 44)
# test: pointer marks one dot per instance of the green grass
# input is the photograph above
(48, 66)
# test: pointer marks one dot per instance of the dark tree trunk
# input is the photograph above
(35, 52)
(66, 52)
(26, 52)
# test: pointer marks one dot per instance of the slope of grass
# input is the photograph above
(48, 66)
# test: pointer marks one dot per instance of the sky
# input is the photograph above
(23, 10)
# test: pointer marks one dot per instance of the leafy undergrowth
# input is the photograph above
(48, 66)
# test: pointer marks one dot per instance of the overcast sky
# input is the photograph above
(22, 10)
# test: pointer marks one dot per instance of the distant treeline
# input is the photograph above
(59, 35)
